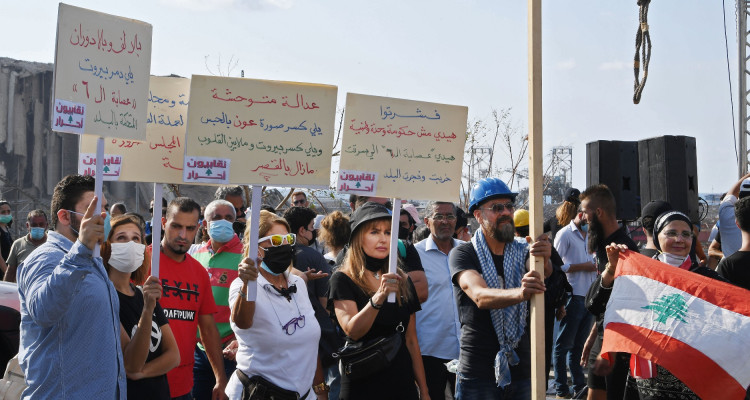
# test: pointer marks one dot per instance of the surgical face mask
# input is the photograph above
(107, 225)
(37, 233)
(672, 260)
(277, 259)
(126, 257)
(220, 231)
(6, 219)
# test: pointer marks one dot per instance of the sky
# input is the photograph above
(463, 52)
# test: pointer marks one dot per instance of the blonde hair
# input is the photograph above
(266, 221)
(566, 212)
(354, 263)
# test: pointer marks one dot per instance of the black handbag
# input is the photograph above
(358, 359)
(258, 388)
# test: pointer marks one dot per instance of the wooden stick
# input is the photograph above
(536, 159)
(156, 230)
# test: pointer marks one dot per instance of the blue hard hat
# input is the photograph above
(488, 189)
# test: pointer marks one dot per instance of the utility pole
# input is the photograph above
(743, 10)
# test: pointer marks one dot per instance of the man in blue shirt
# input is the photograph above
(70, 326)
(437, 324)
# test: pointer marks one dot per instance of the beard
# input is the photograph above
(503, 231)
(595, 234)
(75, 224)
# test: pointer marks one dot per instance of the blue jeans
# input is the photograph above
(483, 389)
(333, 379)
(203, 376)
(574, 329)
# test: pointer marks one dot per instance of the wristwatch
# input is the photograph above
(322, 387)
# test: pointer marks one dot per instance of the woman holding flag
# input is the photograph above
(673, 237)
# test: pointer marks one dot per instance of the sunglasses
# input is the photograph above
(499, 207)
(302, 201)
(278, 240)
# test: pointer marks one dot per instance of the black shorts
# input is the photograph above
(615, 382)
(595, 381)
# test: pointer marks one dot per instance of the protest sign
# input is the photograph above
(272, 132)
(160, 157)
(402, 148)
(102, 65)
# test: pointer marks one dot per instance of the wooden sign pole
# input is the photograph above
(156, 230)
(538, 381)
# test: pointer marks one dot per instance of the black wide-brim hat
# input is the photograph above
(368, 212)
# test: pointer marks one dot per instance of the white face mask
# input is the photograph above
(127, 257)
(672, 260)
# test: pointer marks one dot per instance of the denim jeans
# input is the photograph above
(483, 389)
(574, 329)
(333, 379)
(203, 376)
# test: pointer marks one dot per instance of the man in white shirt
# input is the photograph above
(575, 326)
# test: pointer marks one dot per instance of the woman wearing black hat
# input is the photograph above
(358, 294)
(673, 238)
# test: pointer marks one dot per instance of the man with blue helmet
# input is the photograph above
(492, 284)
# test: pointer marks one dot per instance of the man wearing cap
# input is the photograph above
(599, 211)
(492, 286)
(575, 326)
(438, 327)
(731, 237)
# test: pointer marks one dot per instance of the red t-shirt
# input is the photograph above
(186, 294)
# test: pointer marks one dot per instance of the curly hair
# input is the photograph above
(335, 230)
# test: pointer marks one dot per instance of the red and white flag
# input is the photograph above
(696, 327)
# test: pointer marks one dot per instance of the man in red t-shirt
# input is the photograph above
(187, 299)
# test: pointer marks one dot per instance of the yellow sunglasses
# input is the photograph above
(278, 240)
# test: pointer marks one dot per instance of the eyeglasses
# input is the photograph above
(300, 201)
(674, 234)
(443, 217)
(293, 324)
(278, 240)
(499, 207)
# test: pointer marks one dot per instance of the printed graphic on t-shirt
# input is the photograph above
(155, 335)
(182, 315)
(183, 290)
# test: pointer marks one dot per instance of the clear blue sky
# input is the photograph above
(469, 52)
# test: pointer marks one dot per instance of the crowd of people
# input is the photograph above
(315, 313)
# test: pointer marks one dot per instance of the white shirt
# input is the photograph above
(570, 243)
(288, 361)
(438, 327)
(731, 237)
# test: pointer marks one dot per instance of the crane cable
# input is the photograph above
(642, 50)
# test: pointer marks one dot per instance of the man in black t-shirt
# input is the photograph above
(598, 208)
(736, 268)
(494, 256)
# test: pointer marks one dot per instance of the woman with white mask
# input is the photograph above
(673, 238)
(149, 347)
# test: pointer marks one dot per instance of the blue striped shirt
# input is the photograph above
(70, 325)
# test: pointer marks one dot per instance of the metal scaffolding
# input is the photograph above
(743, 11)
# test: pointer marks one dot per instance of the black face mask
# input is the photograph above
(403, 233)
(277, 259)
(314, 235)
(375, 264)
(239, 228)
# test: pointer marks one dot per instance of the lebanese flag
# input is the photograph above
(696, 327)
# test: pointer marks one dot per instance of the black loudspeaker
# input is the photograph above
(615, 164)
(669, 172)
